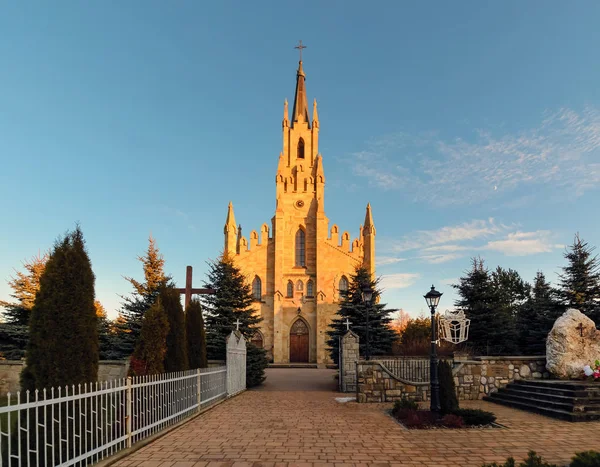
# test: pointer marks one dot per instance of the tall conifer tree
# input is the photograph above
(151, 348)
(381, 334)
(536, 317)
(196, 335)
(63, 341)
(232, 301)
(144, 295)
(580, 280)
(176, 358)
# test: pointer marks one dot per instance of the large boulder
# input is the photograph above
(569, 346)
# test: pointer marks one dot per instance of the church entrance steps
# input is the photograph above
(574, 401)
(293, 365)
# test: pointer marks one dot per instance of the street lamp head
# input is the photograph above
(367, 294)
(432, 297)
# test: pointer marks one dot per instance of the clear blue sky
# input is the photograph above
(473, 128)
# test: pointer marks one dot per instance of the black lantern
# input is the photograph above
(433, 299)
(367, 295)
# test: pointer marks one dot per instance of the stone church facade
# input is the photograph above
(299, 264)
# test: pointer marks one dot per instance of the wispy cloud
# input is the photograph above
(387, 260)
(470, 238)
(399, 280)
(524, 243)
(563, 151)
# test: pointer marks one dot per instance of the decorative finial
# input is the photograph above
(300, 47)
(347, 323)
(237, 324)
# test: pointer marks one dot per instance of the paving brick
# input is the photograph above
(272, 428)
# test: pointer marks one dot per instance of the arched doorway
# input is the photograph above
(299, 342)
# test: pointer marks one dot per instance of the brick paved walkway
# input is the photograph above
(285, 423)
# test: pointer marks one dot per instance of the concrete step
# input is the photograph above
(543, 410)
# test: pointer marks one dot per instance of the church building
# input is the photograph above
(299, 265)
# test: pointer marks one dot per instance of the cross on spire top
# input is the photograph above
(300, 47)
(237, 324)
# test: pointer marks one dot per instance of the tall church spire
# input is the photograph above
(300, 112)
(230, 231)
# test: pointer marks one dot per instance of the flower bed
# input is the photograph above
(408, 413)
(592, 372)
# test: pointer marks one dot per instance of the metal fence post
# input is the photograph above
(198, 389)
(128, 406)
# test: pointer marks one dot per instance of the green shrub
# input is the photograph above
(586, 459)
(256, 362)
(475, 417)
(532, 460)
(448, 399)
(404, 404)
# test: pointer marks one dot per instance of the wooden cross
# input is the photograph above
(237, 324)
(347, 323)
(189, 291)
(580, 328)
(300, 47)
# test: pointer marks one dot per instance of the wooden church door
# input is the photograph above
(299, 342)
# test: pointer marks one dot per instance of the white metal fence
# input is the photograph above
(80, 425)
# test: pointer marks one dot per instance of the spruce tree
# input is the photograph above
(196, 335)
(256, 363)
(381, 334)
(63, 340)
(580, 280)
(232, 301)
(537, 316)
(149, 355)
(176, 358)
(144, 295)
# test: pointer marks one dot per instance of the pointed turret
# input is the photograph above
(368, 234)
(230, 231)
(286, 121)
(368, 225)
(315, 115)
(300, 112)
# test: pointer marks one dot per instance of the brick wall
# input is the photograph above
(474, 378)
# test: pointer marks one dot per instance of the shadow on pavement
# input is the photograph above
(299, 379)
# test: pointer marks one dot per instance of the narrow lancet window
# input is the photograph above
(257, 288)
(300, 248)
(301, 149)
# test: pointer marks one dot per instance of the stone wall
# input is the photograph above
(349, 348)
(473, 378)
(10, 371)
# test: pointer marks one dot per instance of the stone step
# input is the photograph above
(293, 365)
(548, 411)
(566, 388)
(566, 404)
(544, 397)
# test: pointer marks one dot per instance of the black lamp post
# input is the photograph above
(367, 296)
(433, 299)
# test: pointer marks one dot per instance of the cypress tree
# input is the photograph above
(381, 334)
(149, 355)
(232, 301)
(176, 358)
(196, 335)
(63, 340)
(144, 295)
(448, 399)
(580, 280)
(537, 316)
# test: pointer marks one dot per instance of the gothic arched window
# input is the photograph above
(300, 148)
(290, 289)
(256, 288)
(300, 248)
(343, 285)
(309, 288)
